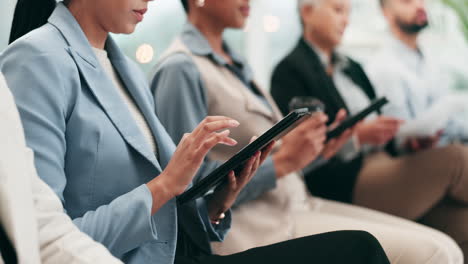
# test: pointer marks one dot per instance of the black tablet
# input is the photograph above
(236, 163)
(353, 120)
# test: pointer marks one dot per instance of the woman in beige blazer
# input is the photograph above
(30, 213)
(200, 75)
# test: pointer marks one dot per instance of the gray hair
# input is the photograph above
(301, 3)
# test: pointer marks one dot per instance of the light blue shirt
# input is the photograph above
(89, 148)
(411, 82)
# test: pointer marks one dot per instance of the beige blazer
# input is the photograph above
(268, 219)
(30, 212)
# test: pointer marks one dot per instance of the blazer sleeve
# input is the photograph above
(59, 239)
(181, 104)
(45, 86)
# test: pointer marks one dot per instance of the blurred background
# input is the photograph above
(273, 30)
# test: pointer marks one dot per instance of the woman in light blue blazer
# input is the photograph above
(88, 115)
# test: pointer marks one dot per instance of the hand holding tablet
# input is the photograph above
(237, 161)
(280, 129)
(353, 120)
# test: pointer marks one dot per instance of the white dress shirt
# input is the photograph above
(353, 96)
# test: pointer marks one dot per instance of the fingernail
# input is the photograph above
(234, 123)
(231, 144)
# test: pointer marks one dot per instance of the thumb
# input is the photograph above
(253, 139)
(341, 115)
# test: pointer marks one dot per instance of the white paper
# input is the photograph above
(436, 117)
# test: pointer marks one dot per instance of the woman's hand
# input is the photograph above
(226, 194)
(378, 132)
(301, 146)
(334, 145)
(188, 158)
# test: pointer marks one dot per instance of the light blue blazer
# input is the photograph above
(90, 150)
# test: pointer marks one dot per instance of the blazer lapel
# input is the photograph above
(141, 93)
(100, 84)
(358, 76)
(321, 80)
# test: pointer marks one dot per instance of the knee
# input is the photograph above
(456, 152)
(432, 250)
(444, 252)
(365, 238)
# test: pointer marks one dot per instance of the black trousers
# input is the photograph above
(330, 248)
(7, 251)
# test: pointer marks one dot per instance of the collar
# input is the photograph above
(67, 25)
(398, 44)
(415, 58)
(199, 45)
(338, 60)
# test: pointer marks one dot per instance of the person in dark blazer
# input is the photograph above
(369, 171)
(293, 78)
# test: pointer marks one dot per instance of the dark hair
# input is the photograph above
(382, 3)
(185, 5)
(29, 15)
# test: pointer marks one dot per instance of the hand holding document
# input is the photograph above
(436, 117)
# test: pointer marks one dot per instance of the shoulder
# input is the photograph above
(284, 68)
(292, 63)
(382, 63)
(178, 61)
(41, 60)
(290, 59)
(43, 48)
(177, 67)
(46, 40)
